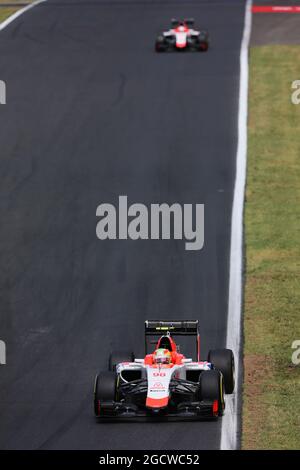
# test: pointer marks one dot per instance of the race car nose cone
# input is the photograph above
(157, 403)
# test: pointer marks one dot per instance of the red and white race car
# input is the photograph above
(182, 36)
(165, 383)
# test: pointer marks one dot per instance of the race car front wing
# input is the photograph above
(206, 409)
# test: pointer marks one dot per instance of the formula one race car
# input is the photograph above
(165, 383)
(182, 36)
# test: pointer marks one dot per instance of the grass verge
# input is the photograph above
(5, 12)
(12, 3)
(271, 416)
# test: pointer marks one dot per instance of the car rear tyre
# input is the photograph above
(223, 360)
(105, 389)
(211, 387)
(119, 356)
(203, 46)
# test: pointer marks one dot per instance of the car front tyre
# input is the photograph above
(104, 389)
(160, 45)
(211, 387)
(203, 41)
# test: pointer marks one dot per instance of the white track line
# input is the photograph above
(229, 433)
(18, 13)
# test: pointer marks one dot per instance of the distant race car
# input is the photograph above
(182, 36)
(165, 383)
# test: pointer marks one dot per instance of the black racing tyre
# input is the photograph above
(119, 356)
(211, 387)
(203, 46)
(104, 389)
(223, 360)
(203, 36)
(203, 41)
(160, 44)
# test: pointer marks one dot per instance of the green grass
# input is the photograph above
(271, 410)
(15, 1)
(5, 12)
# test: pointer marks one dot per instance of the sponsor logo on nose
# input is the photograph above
(158, 385)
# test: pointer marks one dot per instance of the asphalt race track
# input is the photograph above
(93, 113)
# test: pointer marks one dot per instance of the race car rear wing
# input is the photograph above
(188, 21)
(174, 328)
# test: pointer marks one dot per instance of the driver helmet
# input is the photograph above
(162, 356)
